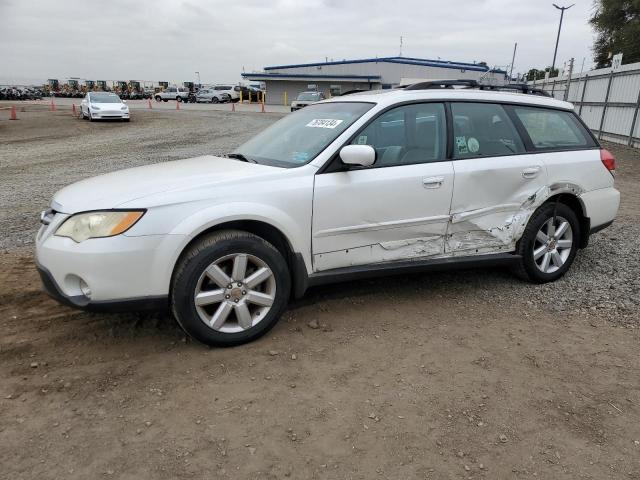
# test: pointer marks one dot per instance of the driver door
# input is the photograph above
(398, 208)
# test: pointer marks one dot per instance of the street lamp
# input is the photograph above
(198, 74)
(555, 52)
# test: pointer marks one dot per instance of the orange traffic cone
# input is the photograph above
(74, 111)
(150, 107)
(233, 106)
(177, 105)
(13, 115)
(52, 107)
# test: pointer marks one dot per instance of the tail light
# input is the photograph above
(608, 160)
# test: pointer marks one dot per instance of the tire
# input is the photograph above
(165, 100)
(90, 116)
(215, 100)
(532, 268)
(178, 99)
(220, 250)
(158, 98)
(126, 119)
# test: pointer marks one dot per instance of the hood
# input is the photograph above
(116, 188)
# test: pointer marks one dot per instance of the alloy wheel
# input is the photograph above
(553, 244)
(235, 293)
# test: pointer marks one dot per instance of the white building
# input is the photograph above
(336, 78)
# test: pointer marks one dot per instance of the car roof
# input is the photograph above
(399, 95)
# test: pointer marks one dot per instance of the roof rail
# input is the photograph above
(520, 87)
(434, 84)
(468, 83)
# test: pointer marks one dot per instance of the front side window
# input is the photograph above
(298, 138)
(483, 129)
(406, 135)
(553, 128)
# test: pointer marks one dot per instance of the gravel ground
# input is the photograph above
(43, 152)
(454, 375)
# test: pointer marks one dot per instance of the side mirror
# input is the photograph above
(361, 155)
(124, 101)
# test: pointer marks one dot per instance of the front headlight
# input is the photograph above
(124, 108)
(108, 223)
(95, 107)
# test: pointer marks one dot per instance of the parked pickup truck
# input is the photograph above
(173, 93)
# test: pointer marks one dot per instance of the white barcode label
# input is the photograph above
(324, 123)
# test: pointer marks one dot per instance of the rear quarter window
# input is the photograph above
(553, 129)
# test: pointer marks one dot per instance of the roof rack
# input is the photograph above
(466, 84)
(520, 87)
(435, 84)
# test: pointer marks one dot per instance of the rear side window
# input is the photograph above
(483, 130)
(553, 128)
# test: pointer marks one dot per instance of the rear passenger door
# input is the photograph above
(494, 179)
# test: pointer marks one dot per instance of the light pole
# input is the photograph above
(555, 52)
(198, 74)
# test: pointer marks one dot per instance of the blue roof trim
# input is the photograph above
(309, 75)
(401, 60)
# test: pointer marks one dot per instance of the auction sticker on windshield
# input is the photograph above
(324, 123)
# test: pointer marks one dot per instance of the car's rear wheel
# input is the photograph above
(549, 243)
(214, 100)
(230, 288)
(158, 98)
(178, 99)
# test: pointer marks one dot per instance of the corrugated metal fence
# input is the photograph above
(607, 101)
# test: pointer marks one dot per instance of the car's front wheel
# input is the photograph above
(230, 288)
(158, 98)
(214, 100)
(549, 243)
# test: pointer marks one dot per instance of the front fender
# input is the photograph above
(295, 231)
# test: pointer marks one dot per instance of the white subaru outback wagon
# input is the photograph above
(423, 177)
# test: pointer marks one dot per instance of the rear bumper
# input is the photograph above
(601, 207)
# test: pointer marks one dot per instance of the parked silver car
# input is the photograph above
(212, 96)
(306, 98)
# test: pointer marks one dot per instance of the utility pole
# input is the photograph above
(198, 74)
(513, 59)
(555, 52)
(400, 45)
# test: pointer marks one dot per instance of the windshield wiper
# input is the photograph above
(241, 157)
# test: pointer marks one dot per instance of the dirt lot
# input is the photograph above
(468, 374)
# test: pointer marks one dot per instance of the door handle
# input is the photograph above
(432, 182)
(531, 172)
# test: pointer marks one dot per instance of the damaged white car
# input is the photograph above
(378, 183)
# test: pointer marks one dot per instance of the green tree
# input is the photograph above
(535, 74)
(617, 26)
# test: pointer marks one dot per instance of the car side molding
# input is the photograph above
(302, 281)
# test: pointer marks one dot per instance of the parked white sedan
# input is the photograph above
(367, 184)
(104, 105)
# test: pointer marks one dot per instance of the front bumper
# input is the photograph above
(116, 273)
(105, 115)
(51, 288)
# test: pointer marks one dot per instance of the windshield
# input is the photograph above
(222, 88)
(299, 137)
(308, 96)
(105, 98)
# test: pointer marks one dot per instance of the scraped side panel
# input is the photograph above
(382, 252)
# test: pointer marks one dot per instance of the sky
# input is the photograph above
(172, 39)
